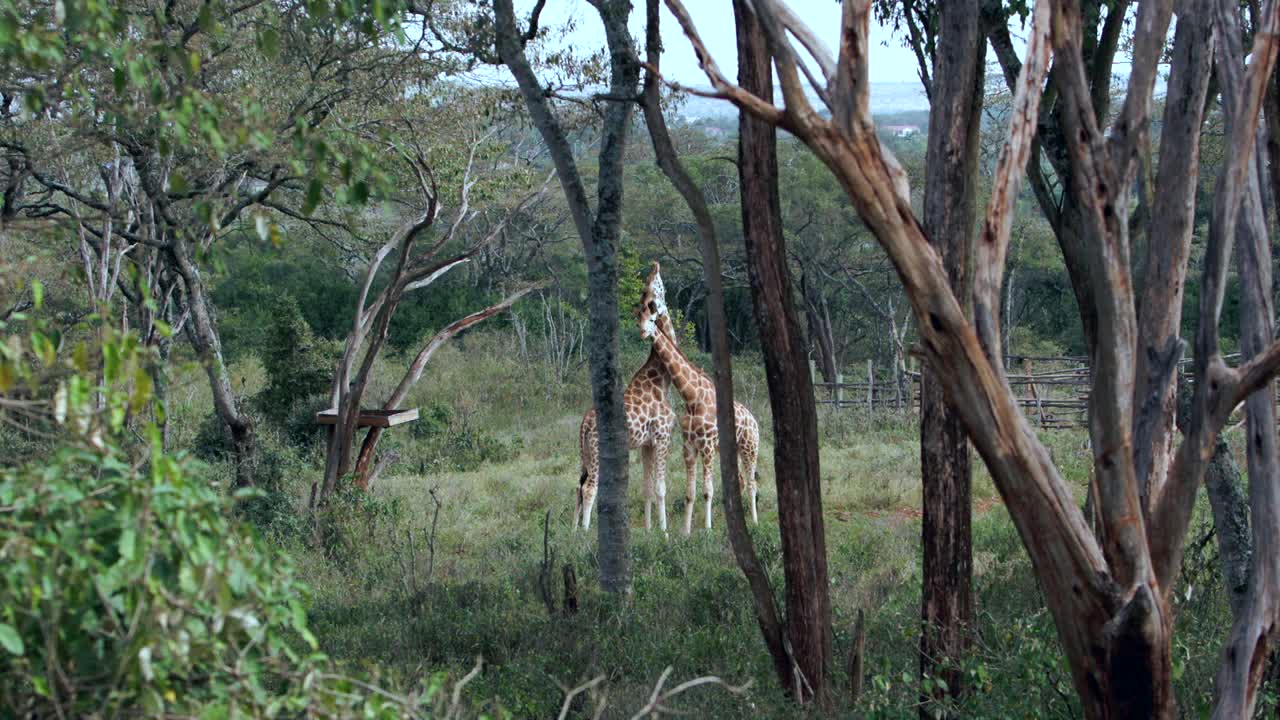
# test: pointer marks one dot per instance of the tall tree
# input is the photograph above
(955, 89)
(1109, 593)
(414, 268)
(744, 551)
(795, 419)
(599, 230)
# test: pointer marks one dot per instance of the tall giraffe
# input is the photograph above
(650, 422)
(698, 424)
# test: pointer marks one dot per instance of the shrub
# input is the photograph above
(127, 586)
(458, 442)
(298, 364)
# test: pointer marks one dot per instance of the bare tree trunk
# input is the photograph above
(1225, 488)
(795, 424)
(364, 465)
(1256, 617)
(731, 493)
(204, 339)
(1169, 240)
(599, 234)
(951, 183)
(820, 332)
(1109, 594)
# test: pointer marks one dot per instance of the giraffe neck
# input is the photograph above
(692, 384)
(653, 368)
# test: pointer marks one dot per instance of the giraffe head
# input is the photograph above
(653, 304)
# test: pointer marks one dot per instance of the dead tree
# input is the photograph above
(1109, 594)
(413, 270)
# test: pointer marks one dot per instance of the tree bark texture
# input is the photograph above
(599, 233)
(1169, 238)
(795, 425)
(951, 183)
(1252, 633)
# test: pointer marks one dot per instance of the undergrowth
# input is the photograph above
(411, 588)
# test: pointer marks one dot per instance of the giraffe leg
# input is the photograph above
(577, 501)
(708, 481)
(661, 449)
(690, 464)
(748, 479)
(589, 496)
(646, 461)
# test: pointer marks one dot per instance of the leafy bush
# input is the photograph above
(128, 587)
(300, 428)
(457, 442)
(298, 364)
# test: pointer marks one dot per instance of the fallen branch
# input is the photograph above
(657, 698)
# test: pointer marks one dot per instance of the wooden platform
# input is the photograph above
(371, 418)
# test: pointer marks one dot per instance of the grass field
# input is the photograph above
(497, 448)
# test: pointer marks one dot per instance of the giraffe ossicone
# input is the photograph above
(658, 291)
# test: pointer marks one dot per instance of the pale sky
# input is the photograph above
(890, 61)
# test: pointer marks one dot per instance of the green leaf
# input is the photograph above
(269, 42)
(37, 293)
(119, 80)
(128, 544)
(214, 712)
(315, 190)
(360, 192)
(10, 639)
(205, 18)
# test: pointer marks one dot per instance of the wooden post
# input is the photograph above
(839, 390)
(857, 657)
(871, 386)
(898, 379)
(1035, 395)
(570, 606)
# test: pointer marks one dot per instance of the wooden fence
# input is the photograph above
(1052, 391)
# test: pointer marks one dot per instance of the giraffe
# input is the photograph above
(650, 423)
(698, 424)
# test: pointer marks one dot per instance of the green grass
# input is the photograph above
(501, 456)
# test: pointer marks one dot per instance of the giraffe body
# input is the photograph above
(650, 424)
(702, 444)
(698, 425)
